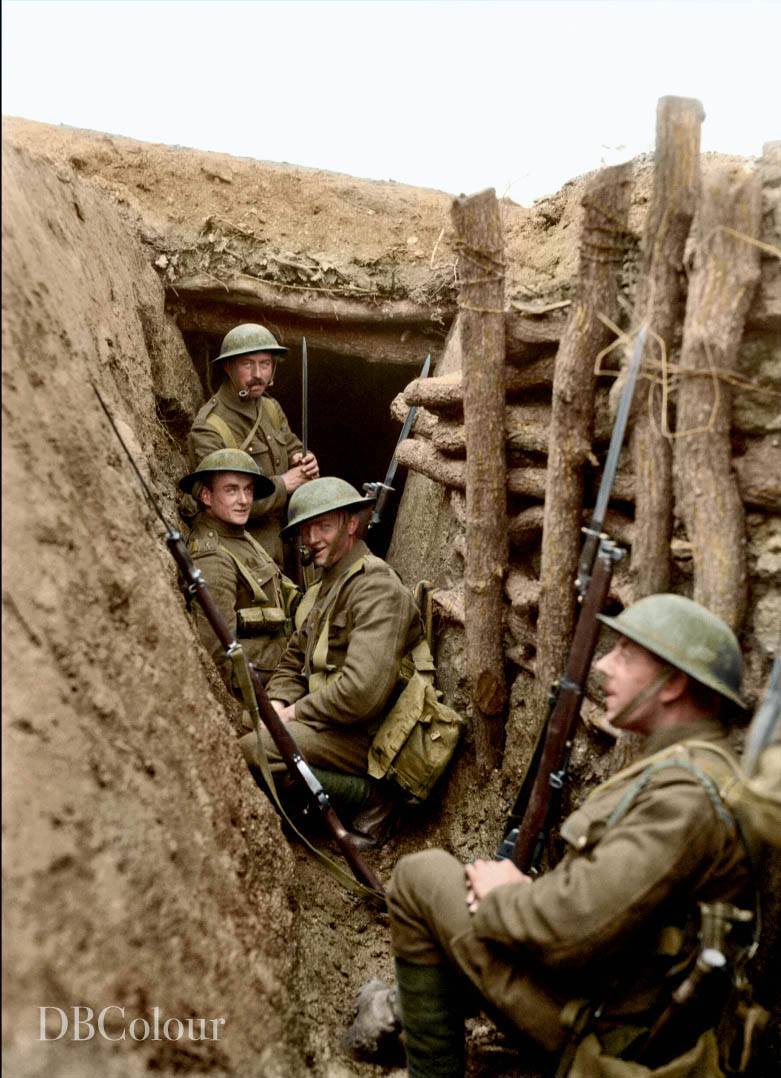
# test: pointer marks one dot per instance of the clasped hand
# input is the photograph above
(483, 876)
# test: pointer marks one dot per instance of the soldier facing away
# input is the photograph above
(615, 922)
(341, 670)
(241, 415)
(256, 600)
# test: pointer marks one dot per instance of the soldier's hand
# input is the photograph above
(483, 876)
(294, 478)
(286, 712)
(308, 464)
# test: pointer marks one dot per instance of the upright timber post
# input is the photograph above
(722, 282)
(481, 300)
(660, 306)
(602, 248)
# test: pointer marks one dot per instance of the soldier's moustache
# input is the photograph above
(244, 393)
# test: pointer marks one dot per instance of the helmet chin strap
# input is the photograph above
(643, 696)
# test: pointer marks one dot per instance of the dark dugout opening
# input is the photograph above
(350, 426)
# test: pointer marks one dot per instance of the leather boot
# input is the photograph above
(372, 826)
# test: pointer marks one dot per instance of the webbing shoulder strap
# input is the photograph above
(221, 427)
(640, 784)
(318, 664)
(273, 411)
(306, 604)
(258, 595)
(248, 440)
(218, 424)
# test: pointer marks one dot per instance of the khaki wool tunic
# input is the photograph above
(271, 447)
(593, 926)
(214, 546)
(372, 624)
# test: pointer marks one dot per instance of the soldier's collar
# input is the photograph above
(222, 527)
(360, 550)
(701, 730)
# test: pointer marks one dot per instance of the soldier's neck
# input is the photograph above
(224, 527)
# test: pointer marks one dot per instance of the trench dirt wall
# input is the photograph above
(141, 868)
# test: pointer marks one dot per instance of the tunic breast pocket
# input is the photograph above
(278, 442)
(339, 633)
(260, 454)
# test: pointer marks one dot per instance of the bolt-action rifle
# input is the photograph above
(383, 490)
(254, 694)
(537, 805)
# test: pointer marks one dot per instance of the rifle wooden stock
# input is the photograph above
(288, 750)
(550, 773)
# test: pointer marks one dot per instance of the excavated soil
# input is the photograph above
(142, 867)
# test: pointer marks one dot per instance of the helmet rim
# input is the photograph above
(661, 642)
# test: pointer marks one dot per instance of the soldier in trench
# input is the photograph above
(255, 598)
(342, 668)
(613, 925)
(241, 415)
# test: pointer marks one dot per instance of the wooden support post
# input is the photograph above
(481, 300)
(725, 274)
(659, 305)
(603, 240)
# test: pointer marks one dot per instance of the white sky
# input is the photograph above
(513, 94)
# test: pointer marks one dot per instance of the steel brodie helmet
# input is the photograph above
(688, 637)
(249, 337)
(325, 495)
(228, 460)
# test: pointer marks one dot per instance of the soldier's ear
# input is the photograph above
(353, 523)
(675, 687)
(205, 496)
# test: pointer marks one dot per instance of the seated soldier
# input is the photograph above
(255, 599)
(340, 673)
(615, 922)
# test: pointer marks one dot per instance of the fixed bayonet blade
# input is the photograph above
(594, 530)
(382, 490)
(304, 397)
(765, 723)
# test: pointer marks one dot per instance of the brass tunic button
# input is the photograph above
(581, 842)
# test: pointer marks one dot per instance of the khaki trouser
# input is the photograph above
(430, 924)
(344, 749)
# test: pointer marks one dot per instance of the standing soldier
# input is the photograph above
(254, 597)
(241, 415)
(614, 924)
(339, 675)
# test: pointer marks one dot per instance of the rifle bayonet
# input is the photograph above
(594, 530)
(385, 489)
(304, 396)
